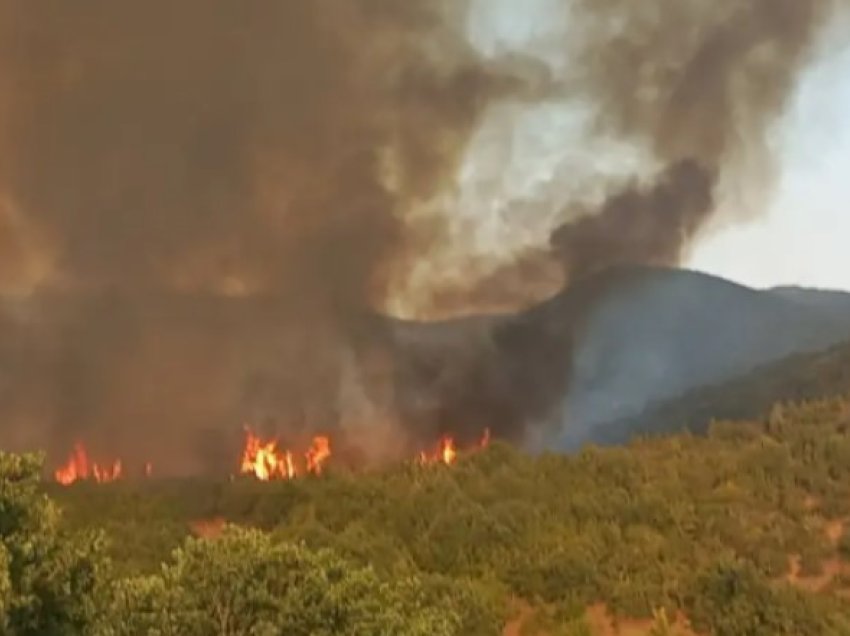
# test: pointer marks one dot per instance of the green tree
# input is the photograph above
(48, 579)
(734, 600)
(243, 583)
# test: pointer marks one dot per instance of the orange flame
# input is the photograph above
(290, 466)
(264, 461)
(260, 458)
(318, 454)
(447, 452)
(79, 467)
(105, 474)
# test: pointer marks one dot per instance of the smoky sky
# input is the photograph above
(222, 146)
(696, 89)
(201, 200)
(697, 84)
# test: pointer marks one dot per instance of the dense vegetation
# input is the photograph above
(740, 531)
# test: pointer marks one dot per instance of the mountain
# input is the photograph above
(797, 378)
(656, 333)
(826, 300)
(604, 349)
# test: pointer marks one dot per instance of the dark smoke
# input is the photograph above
(649, 227)
(220, 189)
(184, 145)
(203, 201)
(697, 84)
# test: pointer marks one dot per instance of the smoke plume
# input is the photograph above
(692, 89)
(697, 84)
(204, 201)
(164, 153)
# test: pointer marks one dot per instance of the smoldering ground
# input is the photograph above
(205, 204)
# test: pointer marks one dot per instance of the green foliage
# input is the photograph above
(244, 583)
(733, 600)
(703, 526)
(48, 579)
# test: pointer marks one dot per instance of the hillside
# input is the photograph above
(665, 332)
(824, 299)
(740, 532)
(798, 377)
(604, 349)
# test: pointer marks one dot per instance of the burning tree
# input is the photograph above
(265, 461)
(79, 467)
(261, 458)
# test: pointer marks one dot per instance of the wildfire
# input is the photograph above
(318, 454)
(265, 461)
(446, 451)
(260, 458)
(79, 467)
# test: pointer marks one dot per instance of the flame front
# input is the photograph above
(318, 454)
(260, 458)
(265, 461)
(446, 451)
(79, 467)
(105, 474)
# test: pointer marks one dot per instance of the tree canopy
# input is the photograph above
(741, 532)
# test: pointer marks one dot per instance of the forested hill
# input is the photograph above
(738, 533)
(658, 333)
(799, 377)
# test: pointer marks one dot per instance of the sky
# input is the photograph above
(797, 232)
(803, 237)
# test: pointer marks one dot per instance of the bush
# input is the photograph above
(48, 578)
(243, 583)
